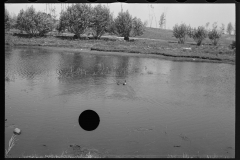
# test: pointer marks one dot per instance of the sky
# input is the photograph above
(191, 14)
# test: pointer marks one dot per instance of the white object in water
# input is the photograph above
(17, 131)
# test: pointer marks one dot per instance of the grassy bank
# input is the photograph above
(130, 156)
(167, 46)
(58, 156)
(78, 151)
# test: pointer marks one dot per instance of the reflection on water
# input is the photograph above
(166, 108)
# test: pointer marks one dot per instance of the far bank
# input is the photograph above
(136, 47)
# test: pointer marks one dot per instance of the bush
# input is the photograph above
(100, 20)
(111, 26)
(229, 28)
(123, 25)
(13, 22)
(26, 21)
(76, 19)
(214, 35)
(233, 45)
(34, 23)
(138, 27)
(20, 21)
(44, 23)
(181, 32)
(198, 34)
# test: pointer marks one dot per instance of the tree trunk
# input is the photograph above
(199, 43)
(126, 38)
(75, 37)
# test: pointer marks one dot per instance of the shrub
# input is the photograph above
(229, 28)
(214, 35)
(76, 19)
(13, 21)
(111, 26)
(138, 27)
(233, 45)
(25, 21)
(34, 23)
(44, 23)
(198, 34)
(20, 21)
(181, 32)
(123, 25)
(100, 20)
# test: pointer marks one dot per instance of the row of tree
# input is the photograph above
(77, 19)
(80, 18)
(229, 28)
(182, 31)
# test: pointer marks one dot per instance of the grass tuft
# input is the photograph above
(11, 144)
(88, 155)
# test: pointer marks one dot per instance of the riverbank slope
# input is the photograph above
(167, 47)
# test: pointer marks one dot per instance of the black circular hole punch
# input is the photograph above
(88, 120)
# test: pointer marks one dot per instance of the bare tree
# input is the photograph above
(162, 20)
(214, 25)
(229, 28)
(222, 28)
(234, 32)
(53, 12)
(207, 24)
(145, 23)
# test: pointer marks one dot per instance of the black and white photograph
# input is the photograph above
(120, 80)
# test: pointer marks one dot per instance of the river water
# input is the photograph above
(167, 108)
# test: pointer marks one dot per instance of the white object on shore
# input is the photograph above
(17, 131)
(187, 48)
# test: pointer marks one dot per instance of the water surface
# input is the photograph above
(166, 108)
